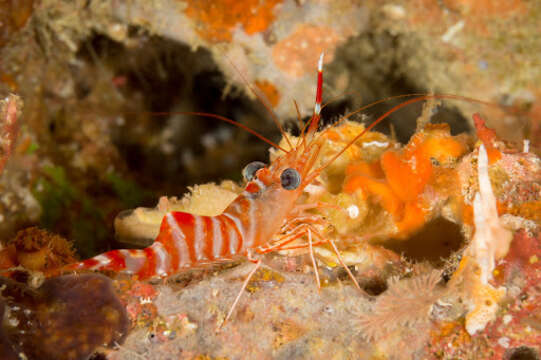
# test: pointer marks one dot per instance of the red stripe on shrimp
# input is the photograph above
(234, 234)
(90, 263)
(208, 237)
(186, 223)
(169, 242)
(118, 262)
(148, 269)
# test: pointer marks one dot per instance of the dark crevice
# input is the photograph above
(168, 152)
(436, 241)
(374, 286)
(522, 353)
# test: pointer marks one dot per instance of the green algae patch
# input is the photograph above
(70, 211)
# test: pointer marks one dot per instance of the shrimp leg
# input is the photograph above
(314, 264)
(309, 230)
(345, 267)
(257, 263)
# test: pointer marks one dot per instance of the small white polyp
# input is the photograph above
(353, 211)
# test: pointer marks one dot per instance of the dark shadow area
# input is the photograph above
(171, 150)
(522, 353)
(436, 241)
(376, 61)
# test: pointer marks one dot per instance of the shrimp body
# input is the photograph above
(247, 226)
(187, 241)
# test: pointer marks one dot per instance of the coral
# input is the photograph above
(450, 181)
(272, 94)
(401, 320)
(287, 319)
(491, 239)
(488, 137)
(37, 250)
(67, 317)
(490, 242)
(515, 328)
(374, 177)
(524, 252)
(82, 67)
(216, 20)
(17, 206)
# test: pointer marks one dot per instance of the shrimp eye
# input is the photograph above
(249, 170)
(290, 179)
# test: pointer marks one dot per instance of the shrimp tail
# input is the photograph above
(140, 262)
(157, 260)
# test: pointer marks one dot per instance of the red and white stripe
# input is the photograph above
(186, 240)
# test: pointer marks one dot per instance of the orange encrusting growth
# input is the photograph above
(216, 20)
(36, 249)
(269, 90)
(407, 174)
(399, 179)
(478, 15)
(376, 187)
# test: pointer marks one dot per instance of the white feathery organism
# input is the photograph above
(491, 240)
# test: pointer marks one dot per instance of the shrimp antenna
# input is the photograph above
(299, 117)
(301, 126)
(389, 112)
(222, 118)
(263, 101)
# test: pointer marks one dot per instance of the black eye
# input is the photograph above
(290, 179)
(249, 170)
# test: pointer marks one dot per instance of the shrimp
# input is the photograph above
(265, 217)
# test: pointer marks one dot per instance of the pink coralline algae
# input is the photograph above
(297, 54)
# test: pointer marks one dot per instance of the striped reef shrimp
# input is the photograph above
(265, 217)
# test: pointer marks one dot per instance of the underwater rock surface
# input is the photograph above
(67, 317)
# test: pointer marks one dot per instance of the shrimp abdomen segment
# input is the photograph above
(192, 239)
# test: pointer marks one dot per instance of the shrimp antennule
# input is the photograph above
(314, 120)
